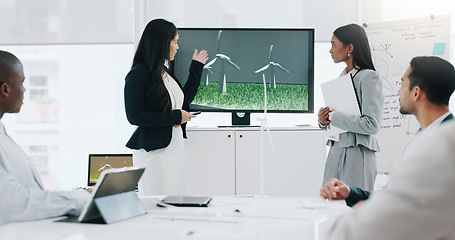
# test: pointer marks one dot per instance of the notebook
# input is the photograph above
(100, 162)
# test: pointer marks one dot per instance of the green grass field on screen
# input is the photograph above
(250, 96)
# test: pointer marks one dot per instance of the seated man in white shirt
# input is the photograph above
(417, 202)
(425, 92)
(22, 196)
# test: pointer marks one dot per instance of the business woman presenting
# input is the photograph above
(159, 106)
(352, 154)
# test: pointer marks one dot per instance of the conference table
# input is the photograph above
(227, 217)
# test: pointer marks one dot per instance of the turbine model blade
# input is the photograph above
(282, 68)
(218, 42)
(235, 65)
(270, 53)
(226, 58)
(209, 65)
(222, 56)
(263, 68)
(209, 68)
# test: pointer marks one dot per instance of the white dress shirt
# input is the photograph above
(438, 121)
(22, 196)
(418, 201)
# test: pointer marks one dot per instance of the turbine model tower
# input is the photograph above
(272, 66)
(223, 59)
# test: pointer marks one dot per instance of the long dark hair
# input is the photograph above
(355, 35)
(153, 52)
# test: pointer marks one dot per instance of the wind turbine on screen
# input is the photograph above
(272, 65)
(223, 60)
(104, 167)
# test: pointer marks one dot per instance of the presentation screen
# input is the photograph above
(242, 60)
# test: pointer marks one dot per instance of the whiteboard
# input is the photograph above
(393, 45)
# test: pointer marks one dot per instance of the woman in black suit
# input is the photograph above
(159, 106)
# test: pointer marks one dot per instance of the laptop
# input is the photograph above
(113, 198)
(100, 162)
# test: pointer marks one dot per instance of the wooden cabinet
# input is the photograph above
(227, 161)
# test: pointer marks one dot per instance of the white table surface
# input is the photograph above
(226, 218)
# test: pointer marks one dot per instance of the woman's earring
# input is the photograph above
(349, 54)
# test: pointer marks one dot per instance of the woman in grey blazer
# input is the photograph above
(352, 154)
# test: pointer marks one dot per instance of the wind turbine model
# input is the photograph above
(224, 59)
(272, 66)
(207, 74)
(104, 167)
(264, 126)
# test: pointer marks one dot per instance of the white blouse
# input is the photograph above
(174, 90)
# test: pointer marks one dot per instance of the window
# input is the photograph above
(75, 56)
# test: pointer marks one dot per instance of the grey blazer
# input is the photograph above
(362, 129)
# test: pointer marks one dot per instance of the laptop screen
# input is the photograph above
(100, 162)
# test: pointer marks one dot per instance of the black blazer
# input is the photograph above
(155, 126)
